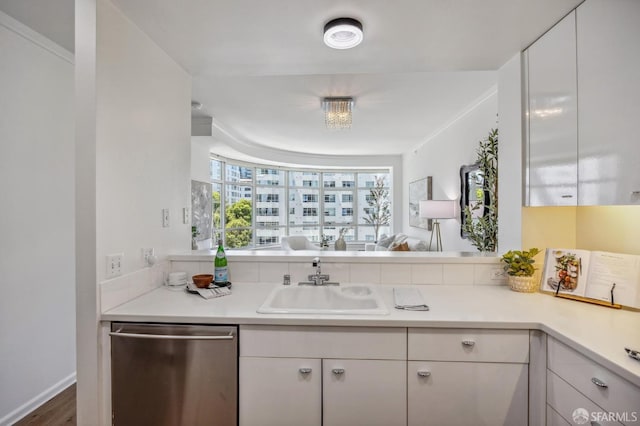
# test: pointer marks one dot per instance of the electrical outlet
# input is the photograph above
(114, 265)
(148, 255)
(165, 218)
(497, 274)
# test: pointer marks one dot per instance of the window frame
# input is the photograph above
(288, 203)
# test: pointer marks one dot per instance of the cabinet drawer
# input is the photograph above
(469, 345)
(323, 342)
(614, 394)
(565, 400)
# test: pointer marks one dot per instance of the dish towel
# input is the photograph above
(409, 299)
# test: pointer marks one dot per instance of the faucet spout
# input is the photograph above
(318, 278)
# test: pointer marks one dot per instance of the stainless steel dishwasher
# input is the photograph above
(172, 375)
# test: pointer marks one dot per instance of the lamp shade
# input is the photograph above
(438, 209)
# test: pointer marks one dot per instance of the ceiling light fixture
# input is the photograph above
(343, 33)
(337, 112)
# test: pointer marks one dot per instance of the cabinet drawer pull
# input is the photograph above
(599, 382)
(468, 343)
(338, 371)
(567, 196)
(423, 373)
(305, 371)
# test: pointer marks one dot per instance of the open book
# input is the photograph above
(609, 277)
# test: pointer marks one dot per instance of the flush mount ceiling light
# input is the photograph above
(343, 33)
(337, 112)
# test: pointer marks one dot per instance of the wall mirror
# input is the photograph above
(472, 193)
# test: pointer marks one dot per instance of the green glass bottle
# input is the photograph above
(221, 271)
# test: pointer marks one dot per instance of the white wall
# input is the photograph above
(137, 145)
(143, 144)
(510, 156)
(441, 157)
(37, 279)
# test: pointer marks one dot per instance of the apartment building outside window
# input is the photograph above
(255, 205)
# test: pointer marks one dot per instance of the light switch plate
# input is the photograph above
(165, 218)
(185, 215)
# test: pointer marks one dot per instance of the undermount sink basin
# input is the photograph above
(356, 299)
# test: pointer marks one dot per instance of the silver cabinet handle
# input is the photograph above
(305, 370)
(424, 373)
(469, 343)
(338, 371)
(170, 337)
(566, 196)
(599, 382)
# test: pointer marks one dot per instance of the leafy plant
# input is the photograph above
(378, 213)
(520, 263)
(481, 217)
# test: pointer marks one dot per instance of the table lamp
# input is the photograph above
(437, 209)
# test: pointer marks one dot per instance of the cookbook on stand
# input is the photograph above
(605, 277)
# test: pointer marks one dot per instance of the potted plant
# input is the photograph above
(519, 268)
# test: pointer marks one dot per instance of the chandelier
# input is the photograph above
(337, 112)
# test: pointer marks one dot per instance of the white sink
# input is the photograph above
(355, 299)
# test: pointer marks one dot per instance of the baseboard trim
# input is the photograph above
(37, 401)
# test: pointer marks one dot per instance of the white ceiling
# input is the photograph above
(260, 67)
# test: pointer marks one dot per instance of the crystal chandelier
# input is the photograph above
(337, 112)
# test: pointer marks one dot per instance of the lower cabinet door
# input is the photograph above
(467, 393)
(364, 392)
(280, 392)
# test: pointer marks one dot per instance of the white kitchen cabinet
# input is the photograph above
(467, 393)
(608, 60)
(280, 391)
(554, 418)
(296, 375)
(467, 376)
(552, 154)
(564, 400)
(364, 392)
(593, 387)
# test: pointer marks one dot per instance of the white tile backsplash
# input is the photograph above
(484, 275)
(191, 268)
(338, 272)
(299, 271)
(358, 272)
(116, 291)
(457, 274)
(272, 272)
(391, 273)
(426, 274)
(241, 272)
(368, 273)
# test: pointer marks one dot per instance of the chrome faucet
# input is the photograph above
(318, 278)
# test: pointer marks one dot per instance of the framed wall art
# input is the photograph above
(419, 190)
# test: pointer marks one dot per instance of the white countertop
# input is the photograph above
(598, 332)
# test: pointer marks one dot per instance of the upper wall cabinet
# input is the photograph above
(551, 168)
(608, 37)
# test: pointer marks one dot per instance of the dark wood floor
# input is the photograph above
(59, 410)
